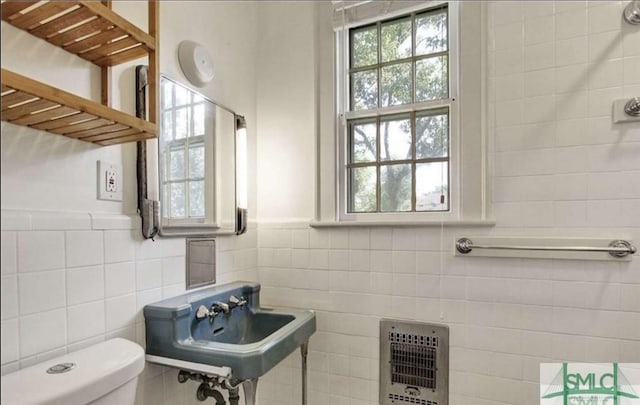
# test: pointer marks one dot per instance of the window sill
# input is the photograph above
(413, 224)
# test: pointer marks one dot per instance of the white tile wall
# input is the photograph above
(562, 168)
(72, 280)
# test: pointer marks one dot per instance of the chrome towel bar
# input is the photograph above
(617, 248)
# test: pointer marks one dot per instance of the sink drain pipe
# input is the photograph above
(304, 350)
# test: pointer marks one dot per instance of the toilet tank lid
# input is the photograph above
(98, 370)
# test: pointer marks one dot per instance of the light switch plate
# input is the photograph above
(110, 183)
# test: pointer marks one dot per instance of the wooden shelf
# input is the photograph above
(88, 29)
(40, 106)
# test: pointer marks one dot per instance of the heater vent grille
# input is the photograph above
(411, 400)
(413, 365)
(414, 362)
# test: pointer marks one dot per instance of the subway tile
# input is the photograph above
(84, 248)
(508, 12)
(85, 321)
(120, 312)
(539, 30)
(570, 214)
(40, 250)
(403, 261)
(509, 61)
(381, 239)
(570, 79)
(359, 238)
(539, 83)
(631, 37)
(631, 68)
(42, 332)
(605, 18)
(562, 6)
(9, 306)
(509, 87)
(571, 51)
(120, 279)
(173, 270)
(540, 56)
(42, 291)
(10, 341)
(119, 246)
(148, 274)
(606, 74)
(534, 9)
(85, 284)
(8, 253)
(404, 239)
(300, 239)
(571, 24)
(508, 36)
(605, 46)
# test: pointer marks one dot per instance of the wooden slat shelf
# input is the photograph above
(38, 105)
(88, 29)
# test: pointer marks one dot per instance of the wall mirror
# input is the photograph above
(197, 163)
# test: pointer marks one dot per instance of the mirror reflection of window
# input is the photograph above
(187, 154)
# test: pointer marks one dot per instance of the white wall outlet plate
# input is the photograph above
(110, 183)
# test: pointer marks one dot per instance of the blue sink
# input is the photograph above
(249, 340)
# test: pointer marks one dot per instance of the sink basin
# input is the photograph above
(249, 340)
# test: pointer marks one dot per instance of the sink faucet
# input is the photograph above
(218, 307)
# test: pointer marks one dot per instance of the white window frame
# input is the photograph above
(342, 47)
(471, 205)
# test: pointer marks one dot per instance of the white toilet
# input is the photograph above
(103, 374)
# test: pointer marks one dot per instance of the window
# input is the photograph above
(183, 152)
(404, 138)
(397, 132)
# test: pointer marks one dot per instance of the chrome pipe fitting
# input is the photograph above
(632, 107)
(632, 12)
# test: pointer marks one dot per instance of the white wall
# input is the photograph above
(562, 169)
(75, 270)
(286, 116)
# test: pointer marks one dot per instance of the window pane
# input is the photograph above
(431, 33)
(167, 125)
(432, 79)
(196, 161)
(198, 120)
(182, 123)
(196, 199)
(363, 147)
(365, 90)
(396, 40)
(182, 95)
(432, 136)
(396, 84)
(176, 164)
(395, 188)
(432, 182)
(362, 186)
(177, 200)
(364, 47)
(167, 88)
(395, 139)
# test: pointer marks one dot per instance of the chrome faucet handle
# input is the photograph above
(239, 302)
(202, 312)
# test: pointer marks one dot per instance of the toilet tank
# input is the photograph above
(107, 369)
